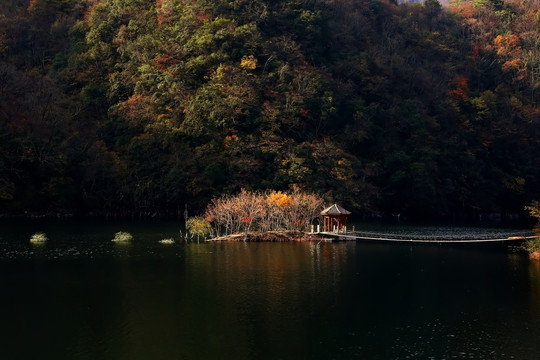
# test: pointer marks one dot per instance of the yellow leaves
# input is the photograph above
(534, 209)
(221, 73)
(198, 226)
(165, 117)
(248, 62)
(280, 199)
(505, 43)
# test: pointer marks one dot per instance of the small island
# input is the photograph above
(276, 216)
(260, 216)
(271, 236)
(533, 246)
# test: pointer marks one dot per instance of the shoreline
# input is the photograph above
(511, 220)
(270, 236)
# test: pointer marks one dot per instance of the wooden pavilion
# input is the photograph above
(335, 217)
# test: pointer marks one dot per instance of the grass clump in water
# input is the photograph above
(166, 241)
(122, 236)
(38, 238)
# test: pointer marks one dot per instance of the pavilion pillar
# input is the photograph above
(330, 223)
(328, 219)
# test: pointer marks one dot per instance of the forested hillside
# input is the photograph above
(138, 107)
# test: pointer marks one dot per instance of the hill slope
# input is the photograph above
(138, 107)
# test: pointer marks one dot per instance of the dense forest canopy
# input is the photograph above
(137, 107)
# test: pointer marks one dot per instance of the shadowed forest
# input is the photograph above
(138, 107)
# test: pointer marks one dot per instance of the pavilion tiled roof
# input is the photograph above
(335, 210)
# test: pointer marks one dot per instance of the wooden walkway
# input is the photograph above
(357, 236)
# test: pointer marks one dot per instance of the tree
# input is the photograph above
(534, 210)
(534, 244)
(198, 226)
(270, 211)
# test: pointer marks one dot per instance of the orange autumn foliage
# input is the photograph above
(202, 15)
(461, 87)
(32, 5)
(504, 45)
(280, 199)
(163, 61)
(268, 211)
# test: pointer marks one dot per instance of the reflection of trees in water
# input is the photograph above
(534, 275)
(528, 268)
(276, 272)
(262, 293)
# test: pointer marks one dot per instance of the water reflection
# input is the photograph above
(534, 276)
(83, 296)
(262, 293)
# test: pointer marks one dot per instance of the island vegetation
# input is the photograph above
(137, 107)
(199, 227)
(534, 245)
(267, 212)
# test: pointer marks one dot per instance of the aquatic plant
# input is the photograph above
(122, 236)
(166, 241)
(38, 238)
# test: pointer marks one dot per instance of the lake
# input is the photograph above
(81, 296)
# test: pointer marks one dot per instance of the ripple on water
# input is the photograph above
(434, 340)
(76, 249)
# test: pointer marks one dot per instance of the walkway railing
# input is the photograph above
(439, 239)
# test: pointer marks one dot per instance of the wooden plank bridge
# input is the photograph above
(354, 236)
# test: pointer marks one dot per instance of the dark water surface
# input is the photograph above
(81, 296)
